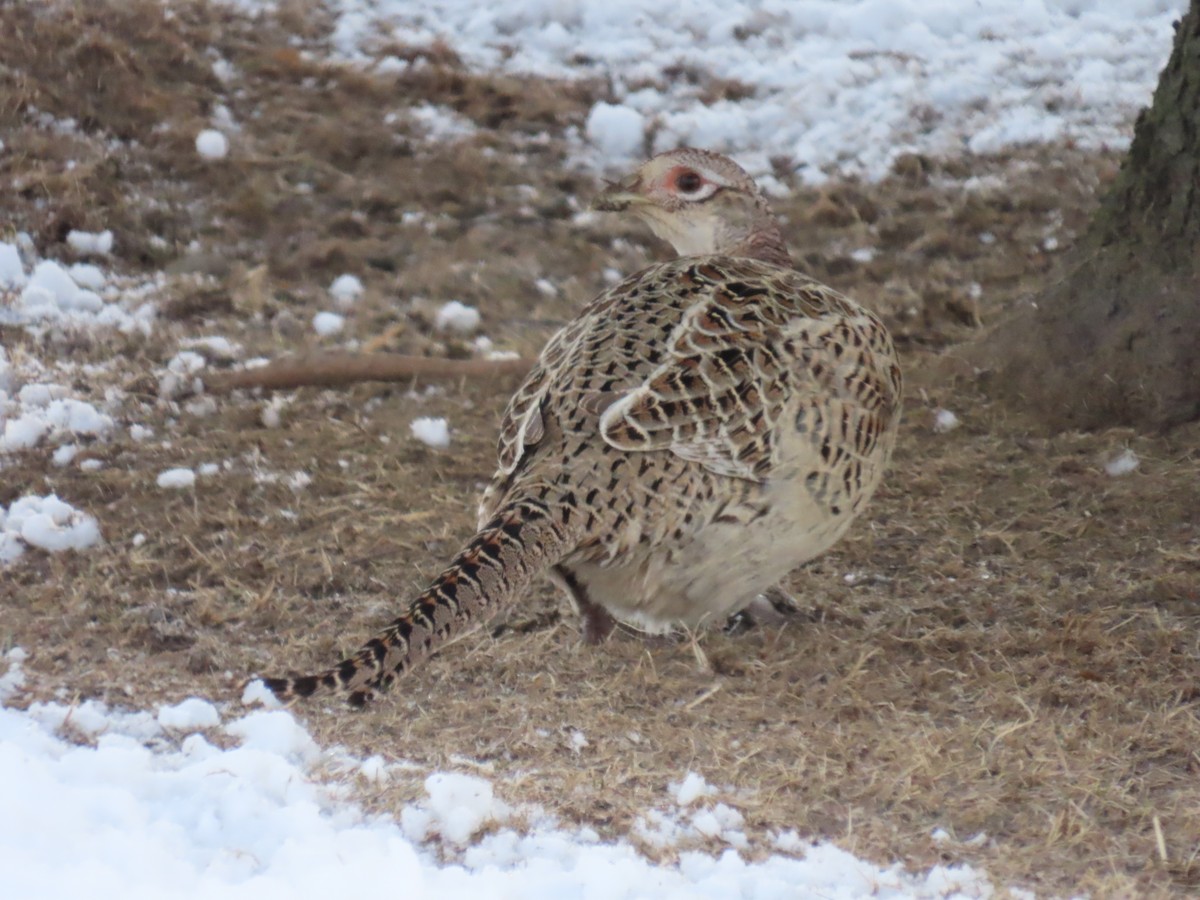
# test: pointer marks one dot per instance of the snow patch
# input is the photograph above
(12, 272)
(176, 479)
(455, 316)
(189, 715)
(1122, 464)
(345, 291)
(46, 523)
(213, 347)
(441, 124)
(431, 431)
(327, 324)
(616, 130)
(144, 815)
(460, 806)
(51, 295)
(34, 416)
(87, 243)
(212, 144)
(834, 86)
(692, 788)
(944, 420)
(87, 275)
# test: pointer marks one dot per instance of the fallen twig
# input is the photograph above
(339, 368)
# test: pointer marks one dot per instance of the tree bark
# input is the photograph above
(1117, 342)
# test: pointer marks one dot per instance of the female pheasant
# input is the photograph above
(699, 430)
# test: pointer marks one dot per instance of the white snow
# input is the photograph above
(149, 807)
(692, 788)
(456, 316)
(39, 412)
(345, 290)
(189, 715)
(186, 362)
(431, 431)
(52, 287)
(222, 116)
(46, 523)
(272, 416)
(212, 144)
(176, 479)
(616, 130)
(440, 123)
(1122, 464)
(457, 808)
(87, 275)
(87, 243)
(832, 84)
(327, 324)
(51, 295)
(944, 420)
(213, 347)
(718, 822)
(181, 376)
(64, 454)
(12, 273)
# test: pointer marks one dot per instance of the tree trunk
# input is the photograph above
(1117, 342)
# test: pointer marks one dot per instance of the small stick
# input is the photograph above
(335, 368)
(708, 693)
(1159, 839)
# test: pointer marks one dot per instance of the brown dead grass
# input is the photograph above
(1015, 654)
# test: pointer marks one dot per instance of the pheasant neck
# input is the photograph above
(765, 244)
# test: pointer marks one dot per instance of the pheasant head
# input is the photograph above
(701, 203)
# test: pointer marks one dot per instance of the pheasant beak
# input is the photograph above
(620, 195)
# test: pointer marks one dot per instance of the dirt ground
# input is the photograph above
(1006, 646)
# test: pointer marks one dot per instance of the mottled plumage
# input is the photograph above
(699, 430)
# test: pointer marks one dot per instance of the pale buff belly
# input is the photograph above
(719, 569)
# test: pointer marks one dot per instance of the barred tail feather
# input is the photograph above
(503, 558)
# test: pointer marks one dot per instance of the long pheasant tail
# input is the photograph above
(520, 541)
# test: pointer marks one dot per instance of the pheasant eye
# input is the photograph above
(688, 182)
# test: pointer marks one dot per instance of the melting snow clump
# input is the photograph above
(46, 523)
(211, 144)
(691, 789)
(190, 715)
(39, 412)
(87, 243)
(86, 275)
(944, 420)
(53, 295)
(455, 316)
(617, 131)
(176, 478)
(1122, 464)
(434, 432)
(345, 290)
(441, 123)
(459, 806)
(327, 323)
(12, 273)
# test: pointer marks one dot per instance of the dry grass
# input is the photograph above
(1015, 655)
